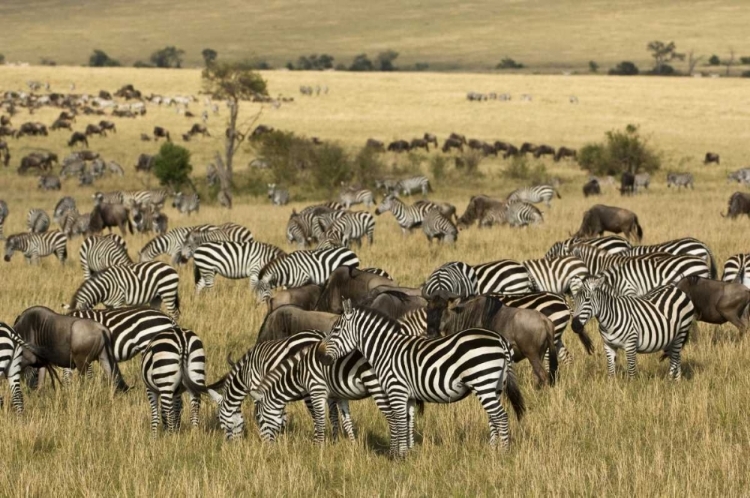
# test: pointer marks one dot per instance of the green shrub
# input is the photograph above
(625, 68)
(361, 63)
(170, 57)
(99, 58)
(714, 60)
(622, 151)
(593, 67)
(172, 166)
(520, 169)
(438, 167)
(508, 63)
(745, 74)
(368, 166)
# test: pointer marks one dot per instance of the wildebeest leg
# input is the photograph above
(537, 365)
(40, 377)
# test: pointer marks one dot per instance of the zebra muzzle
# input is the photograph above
(6, 258)
(576, 325)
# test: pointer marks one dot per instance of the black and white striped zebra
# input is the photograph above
(278, 196)
(517, 214)
(558, 275)
(685, 246)
(504, 276)
(301, 268)
(657, 321)
(37, 245)
(247, 373)
(228, 232)
(350, 197)
(99, 252)
(639, 276)
(72, 223)
(441, 370)
(37, 221)
(680, 180)
(407, 217)
(535, 195)
(407, 186)
(169, 243)
(454, 279)
(305, 226)
(3, 217)
(232, 260)
(350, 226)
(612, 244)
(173, 362)
(148, 284)
(737, 269)
(598, 260)
(11, 353)
(436, 226)
(186, 204)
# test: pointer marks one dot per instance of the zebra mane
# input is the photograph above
(271, 264)
(379, 315)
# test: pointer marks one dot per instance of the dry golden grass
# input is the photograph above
(588, 435)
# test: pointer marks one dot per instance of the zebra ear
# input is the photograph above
(347, 305)
(256, 395)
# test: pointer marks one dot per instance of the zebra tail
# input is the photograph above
(196, 273)
(512, 391)
(193, 386)
(553, 363)
(712, 266)
(639, 230)
(580, 331)
(558, 194)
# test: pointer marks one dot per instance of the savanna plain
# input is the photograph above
(588, 435)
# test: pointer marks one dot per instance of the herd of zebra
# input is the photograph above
(336, 332)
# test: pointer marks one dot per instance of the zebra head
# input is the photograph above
(12, 244)
(263, 290)
(230, 417)
(386, 204)
(340, 341)
(584, 301)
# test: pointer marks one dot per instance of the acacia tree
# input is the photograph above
(693, 61)
(233, 84)
(663, 53)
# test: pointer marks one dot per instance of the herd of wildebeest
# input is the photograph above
(336, 331)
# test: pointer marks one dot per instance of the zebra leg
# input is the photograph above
(333, 417)
(347, 419)
(410, 423)
(176, 412)
(153, 401)
(14, 379)
(67, 376)
(498, 417)
(631, 349)
(399, 427)
(195, 408)
(319, 417)
(611, 357)
(167, 410)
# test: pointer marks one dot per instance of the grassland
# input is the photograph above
(546, 35)
(589, 435)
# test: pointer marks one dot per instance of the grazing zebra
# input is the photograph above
(534, 195)
(73, 223)
(639, 276)
(169, 243)
(305, 226)
(518, 214)
(555, 275)
(322, 222)
(658, 321)
(3, 217)
(611, 244)
(441, 370)
(186, 203)
(407, 186)
(232, 260)
(132, 285)
(407, 217)
(504, 276)
(642, 180)
(278, 196)
(37, 221)
(351, 227)
(99, 252)
(436, 226)
(37, 245)
(247, 373)
(173, 362)
(301, 268)
(350, 197)
(11, 353)
(737, 269)
(680, 180)
(228, 232)
(687, 246)
(454, 279)
(598, 260)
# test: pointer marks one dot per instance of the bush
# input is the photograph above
(169, 57)
(519, 169)
(172, 166)
(714, 60)
(665, 70)
(745, 74)
(622, 151)
(361, 63)
(625, 68)
(438, 167)
(99, 58)
(469, 160)
(312, 62)
(593, 67)
(209, 56)
(2, 59)
(385, 59)
(508, 63)
(368, 166)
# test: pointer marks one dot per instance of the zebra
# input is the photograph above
(740, 176)
(63, 205)
(504, 276)
(435, 225)
(441, 370)
(278, 196)
(37, 245)
(407, 217)
(388, 184)
(350, 197)
(228, 232)
(685, 246)
(454, 279)
(642, 180)
(305, 226)
(612, 244)
(639, 276)
(73, 223)
(186, 203)
(37, 221)
(301, 268)
(173, 362)
(11, 354)
(320, 223)
(138, 284)
(115, 197)
(534, 195)
(351, 227)
(517, 214)
(737, 269)
(233, 260)
(169, 243)
(3, 217)
(247, 373)
(660, 320)
(407, 186)
(680, 180)
(598, 260)
(557, 275)
(99, 252)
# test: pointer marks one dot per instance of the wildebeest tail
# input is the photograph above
(196, 273)
(558, 194)
(639, 230)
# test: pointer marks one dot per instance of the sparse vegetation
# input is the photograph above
(593, 67)
(168, 57)
(623, 150)
(520, 169)
(313, 62)
(209, 56)
(508, 63)
(99, 58)
(714, 60)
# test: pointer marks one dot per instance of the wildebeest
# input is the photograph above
(7, 131)
(452, 143)
(288, 320)
(419, 143)
(399, 146)
(711, 158)
(145, 137)
(601, 218)
(33, 129)
(261, 130)
(456, 136)
(60, 124)
(627, 183)
(430, 138)
(199, 129)
(107, 126)
(109, 215)
(160, 132)
(478, 208)
(93, 129)
(34, 161)
(376, 145)
(718, 302)
(544, 150)
(592, 187)
(394, 301)
(739, 204)
(5, 153)
(78, 137)
(348, 283)
(512, 150)
(49, 182)
(304, 297)
(527, 147)
(565, 152)
(144, 163)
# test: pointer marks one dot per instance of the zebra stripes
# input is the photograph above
(37, 245)
(73, 223)
(516, 214)
(454, 279)
(131, 285)
(436, 226)
(37, 221)
(680, 180)
(407, 217)
(99, 252)
(737, 269)
(660, 320)
(232, 260)
(534, 195)
(407, 186)
(504, 276)
(350, 227)
(169, 243)
(558, 275)
(173, 362)
(228, 232)
(11, 353)
(441, 370)
(278, 196)
(639, 276)
(598, 261)
(304, 226)
(186, 204)
(350, 197)
(611, 244)
(678, 247)
(3, 217)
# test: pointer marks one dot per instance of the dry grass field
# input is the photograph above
(587, 436)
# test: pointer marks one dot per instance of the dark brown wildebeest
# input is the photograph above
(500, 145)
(488, 149)
(104, 94)
(431, 139)
(67, 116)
(601, 218)
(87, 155)
(527, 147)
(144, 163)
(5, 120)
(109, 215)
(739, 204)
(145, 137)
(4, 152)
(563, 152)
(33, 129)
(93, 129)
(61, 124)
(399, 146)
(420, 143)
(78, 137)
(261, 130)
(544, 150)
(456, 136)
(107, 125)
(348, 283)
(197, 129)
(304, 297)
(627, 183)
(453, 143)
(186, 137)
(711, 157)
(394, 301)
(592, 187)
(33, 161)
(288, 320)
(512, 150)
(7, 131)
(718, 302)
(376, 145)
(478, 207)
(475, 144)
(530, 332)
(160, 132)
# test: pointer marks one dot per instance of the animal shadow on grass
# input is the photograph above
(380, 443)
